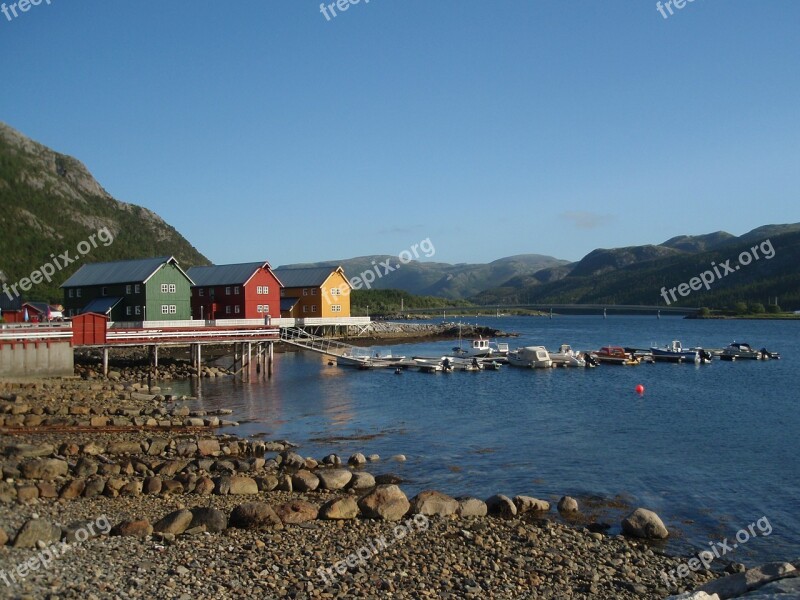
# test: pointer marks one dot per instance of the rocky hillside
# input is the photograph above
(50, 203)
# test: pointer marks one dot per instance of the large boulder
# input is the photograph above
(334, 479)
(646, 524)
(339, 509)
(242, 486)
(138, 528)
(526, 504)
(501, 506)
(472, 507)
(44, 468)
(254, 515)
(297, 511)
(211, 519)
(431, 502)
(362, 480)
(304, 481)
(386, 502)
(175, 522)
(36, 530)
(567, 505)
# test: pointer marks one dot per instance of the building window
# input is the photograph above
(104, 291)
(305, 291)
(305, 309)
(128, 289)
(164, 288)
(172, 288)
(283, 292)
(265, 309)
(165, 309)
(138, 310)
(336, 292)
(227, 291)
(236, 291)
(137, 289)
(313, 308)
(173, 309)
(313, 291)
(227, 310)
(200, 292)
(262, 290)
(71, 293)
(337, 308)
(236, 309)
(78, 293)
(129, 311)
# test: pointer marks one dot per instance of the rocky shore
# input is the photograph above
(109, 492)
(388, 330)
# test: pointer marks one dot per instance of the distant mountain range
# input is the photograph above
(50, 203)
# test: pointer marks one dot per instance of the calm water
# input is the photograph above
(711, 448)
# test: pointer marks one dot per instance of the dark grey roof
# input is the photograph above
(306, 277)
(224, 274)
(42, 307)
(14, 304)
(101, 306)
(112, 273)
(288, 303)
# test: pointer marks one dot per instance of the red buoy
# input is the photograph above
(640, 389)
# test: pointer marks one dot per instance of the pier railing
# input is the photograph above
(306, 341)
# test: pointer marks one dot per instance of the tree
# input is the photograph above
(704, 311)
(756, 308)
(774, 309)
(740, 308)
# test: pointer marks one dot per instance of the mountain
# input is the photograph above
(50, 204)
(636, 275)
(441, 279)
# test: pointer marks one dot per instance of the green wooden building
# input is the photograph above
(148, 289)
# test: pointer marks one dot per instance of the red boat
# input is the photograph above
(615, 355)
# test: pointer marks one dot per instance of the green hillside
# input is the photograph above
(50, 203)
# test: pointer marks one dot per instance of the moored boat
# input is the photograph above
(616, 355)
(567, 357)
(530, 357)
(674, 352)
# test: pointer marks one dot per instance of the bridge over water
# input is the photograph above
(577, 309)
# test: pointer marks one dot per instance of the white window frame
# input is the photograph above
(201, 292)
(336, 291)
(173, 289)
(128, 290)
(313, 308)
(228, 291)
(227, 310)
(336, 308)
(164, 288)
(173, 309)
(138, 310)
(165, 309)
(129, 311)
(237, 310)
(137, 289)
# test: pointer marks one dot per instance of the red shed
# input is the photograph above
(89, 329)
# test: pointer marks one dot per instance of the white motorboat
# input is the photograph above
(567, 357)
(675, 352)
(530, 357)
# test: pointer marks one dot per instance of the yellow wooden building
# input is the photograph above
(314, 292)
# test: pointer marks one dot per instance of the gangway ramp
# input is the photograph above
(301, 339)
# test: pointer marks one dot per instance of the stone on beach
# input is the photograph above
(472, 507)
(501, 506)
(334, 479)
(526, 504)
(305, 481)
(386, 502)
(362, 480)
(645, 524)
(211, 519)
(175, 522)
(339, 509)
(36, 530)
(357, 460)
(297, 511)
(136, 528)
(45, 468)
(567, 505)
(255, 515)
(433, 503)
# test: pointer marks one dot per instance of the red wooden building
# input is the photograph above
(243, 291)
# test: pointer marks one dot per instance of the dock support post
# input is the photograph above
(155, 357)
(248, 357)
(105, 361)
(199, 358)
(270, 360)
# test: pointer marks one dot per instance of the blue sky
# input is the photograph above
(260, 129)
